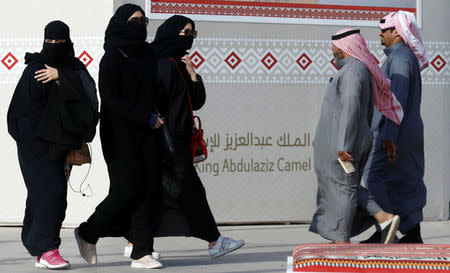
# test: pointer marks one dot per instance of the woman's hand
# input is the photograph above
(47, 75)
(189, 67)
(158, 123)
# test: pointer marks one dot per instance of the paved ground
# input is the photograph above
(266, 250)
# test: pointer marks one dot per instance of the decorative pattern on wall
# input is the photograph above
(285, 61)
(305, 12)
(237, 60)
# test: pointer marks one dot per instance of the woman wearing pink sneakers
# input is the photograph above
(54, 94)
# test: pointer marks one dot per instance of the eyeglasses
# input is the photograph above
(138, 20)
(189, 32)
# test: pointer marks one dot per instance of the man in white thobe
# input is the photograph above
(344, 207)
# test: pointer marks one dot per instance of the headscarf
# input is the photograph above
(168, 42)
(120, 33)
(406, 26)
(57, 54)
(354, 44)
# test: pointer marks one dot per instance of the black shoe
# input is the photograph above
(374, 239)
(412, 236)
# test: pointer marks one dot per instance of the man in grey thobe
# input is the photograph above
(344, 207)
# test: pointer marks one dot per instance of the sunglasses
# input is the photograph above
(386, 29)
(189, 32)
(138, 20)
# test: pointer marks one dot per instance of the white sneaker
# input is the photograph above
(129, 248)
(156, 255)
(146, 262)
(224, 245)
(389, 229)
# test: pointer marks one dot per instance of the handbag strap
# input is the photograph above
(199, 122)
(187, 91)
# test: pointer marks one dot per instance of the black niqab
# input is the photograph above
(120, 33)
(168, 42)
(57, 54)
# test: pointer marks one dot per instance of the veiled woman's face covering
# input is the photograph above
(123, 31)
(58, 54)
(138, 31)
(171, 38)
(185, 42)
(188, 35)
(137, 24)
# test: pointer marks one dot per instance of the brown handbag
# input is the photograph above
(79, 157)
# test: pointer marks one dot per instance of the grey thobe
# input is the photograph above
(344, 207)
(399, 188)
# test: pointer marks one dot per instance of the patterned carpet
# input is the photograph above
(371, 258)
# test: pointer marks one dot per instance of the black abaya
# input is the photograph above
(126, 85)
(169, 47)
(43, 174)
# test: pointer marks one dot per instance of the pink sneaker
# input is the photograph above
(52, 259)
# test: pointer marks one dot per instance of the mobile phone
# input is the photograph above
(347, 166)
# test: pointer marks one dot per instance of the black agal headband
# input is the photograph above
(345, 34)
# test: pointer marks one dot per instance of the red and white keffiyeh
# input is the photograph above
(355, 45)
(406, 25)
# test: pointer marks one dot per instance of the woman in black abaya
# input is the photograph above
(54, 94)
(174, 68)
(129, 141)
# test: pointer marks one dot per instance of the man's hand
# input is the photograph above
(391, 149)
(344, 156)
(47, 75)
(189, 67)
